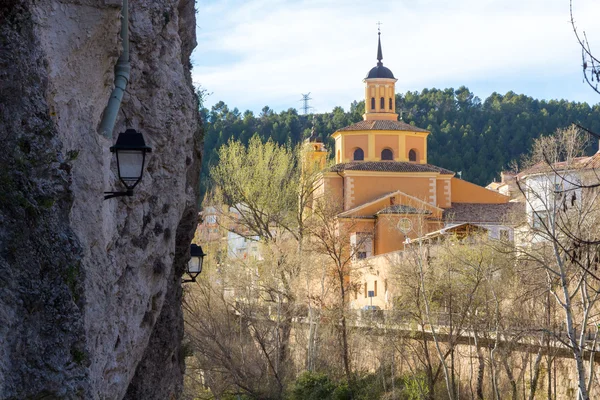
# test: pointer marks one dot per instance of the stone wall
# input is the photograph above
(378, 350)
(90, 289)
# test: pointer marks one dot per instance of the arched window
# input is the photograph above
(390, 103)
(412, 155)
(339, 156)
(382, 104)
(387, 154)
(372, 103)
(359, 154)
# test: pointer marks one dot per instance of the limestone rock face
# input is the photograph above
(90, 289)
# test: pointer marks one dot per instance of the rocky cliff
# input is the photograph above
(90, 289)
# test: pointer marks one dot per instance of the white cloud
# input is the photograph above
(255, 53)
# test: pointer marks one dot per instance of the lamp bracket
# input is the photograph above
(110, 195)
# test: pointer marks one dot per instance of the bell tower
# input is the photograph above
(314, 156)
(380, 137)
(380, 91)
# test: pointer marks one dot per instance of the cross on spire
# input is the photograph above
(379, 52)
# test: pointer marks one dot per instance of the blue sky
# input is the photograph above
(265, 52)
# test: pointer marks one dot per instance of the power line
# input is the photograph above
(305, 107)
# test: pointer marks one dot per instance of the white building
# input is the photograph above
(548, 190)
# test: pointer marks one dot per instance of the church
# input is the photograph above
(388, 192)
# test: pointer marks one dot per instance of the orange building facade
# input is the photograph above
(382, 181)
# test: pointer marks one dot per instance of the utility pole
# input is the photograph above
(305, 107)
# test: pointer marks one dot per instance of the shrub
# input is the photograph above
(312, 386)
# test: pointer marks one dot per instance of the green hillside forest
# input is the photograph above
(479, 138)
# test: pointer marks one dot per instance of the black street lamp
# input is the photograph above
(131, 152)
(194, 266)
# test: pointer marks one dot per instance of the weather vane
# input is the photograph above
(379, 23)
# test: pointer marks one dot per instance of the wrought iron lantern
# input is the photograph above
(131, 152)
(194, 266)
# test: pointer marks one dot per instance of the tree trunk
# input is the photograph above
(438, 349)
(493, 371)
(536, 374)
(451, 344)
(452, 366)
(577, 354)
(382, 372)
(428, 369)
(315, 345)
(471, 368)
(548, 352)
(480, 373)
(345, 351)
(310, 340)
(549, 368)
(285, 330)
(511, 378)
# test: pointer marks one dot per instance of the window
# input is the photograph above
(504, 236)
(386, 154)
(412, 155)
(372, 103)
(390, 103)
(359, 154)
(366, 293)
(339, 156)
(375, 288)
(361, 244)
(382, 104)
(211, 219)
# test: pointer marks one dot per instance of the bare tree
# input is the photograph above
(330, 238)
(589, 64)
(232, 345)
(564, 242)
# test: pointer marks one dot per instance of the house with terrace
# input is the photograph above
(559, 198)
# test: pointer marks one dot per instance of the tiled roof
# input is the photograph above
(509, 213)
(577, 163)
(389, 166)
(382, 126)
(402, 209)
